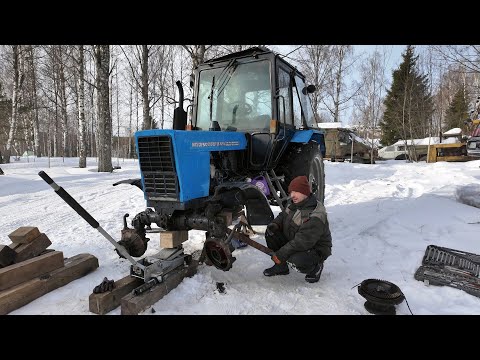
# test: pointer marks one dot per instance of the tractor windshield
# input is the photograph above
(238, 96)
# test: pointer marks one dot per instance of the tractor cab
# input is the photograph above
(255, 92)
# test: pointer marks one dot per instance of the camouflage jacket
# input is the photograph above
(306, 227)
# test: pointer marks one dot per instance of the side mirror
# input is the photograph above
(192, 80)
(309, 89)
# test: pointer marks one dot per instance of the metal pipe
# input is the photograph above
(252, 243)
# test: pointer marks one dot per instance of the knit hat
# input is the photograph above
(300, 184)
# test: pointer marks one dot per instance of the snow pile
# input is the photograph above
(469, 194)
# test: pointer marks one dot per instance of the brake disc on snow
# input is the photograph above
(381, 296)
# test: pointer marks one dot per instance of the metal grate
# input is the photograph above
(157, 165)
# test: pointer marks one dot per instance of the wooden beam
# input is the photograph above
(134, 304)
(171, 239)
(27, 251)
(7, 256)
(22, 294)
(26, 270)
(24, 234)
(105, 302)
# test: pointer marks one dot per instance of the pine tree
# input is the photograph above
(457, 111)
(408, 104)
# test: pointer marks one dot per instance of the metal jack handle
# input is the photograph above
(86, 216)
(246, 239)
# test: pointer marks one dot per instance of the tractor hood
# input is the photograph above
(175, 164)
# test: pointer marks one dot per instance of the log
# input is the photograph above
(29, 250)
(132, 304)
(7, 256)
(105, 302)
(22, 294)
(27, 270)
(24, 234)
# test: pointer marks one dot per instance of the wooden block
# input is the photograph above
(29, 269)
(7, 256)
(227, 216)
(134, 304)
(107, 301)
(24, 234)
(171, 239)
(22, 294)
(32, 249)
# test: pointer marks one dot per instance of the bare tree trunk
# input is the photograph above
(17, 84)
(82, 159)
(338, 89)
(197, 54)
(147, 123)
(34, 118)
(130, 123)
(63, 101)
(102, 60)
(118, 117)
(55, 129)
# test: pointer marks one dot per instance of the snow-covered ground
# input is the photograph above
(382, 218)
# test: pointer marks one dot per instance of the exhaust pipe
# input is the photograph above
(179, 115)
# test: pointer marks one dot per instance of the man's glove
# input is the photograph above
(272, 228)
(275, 259)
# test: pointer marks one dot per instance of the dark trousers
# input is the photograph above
(303, 261)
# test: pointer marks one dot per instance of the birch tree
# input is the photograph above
(338, 94)
(18, 77)
(82, 126)
(316, 62)
(370, 98)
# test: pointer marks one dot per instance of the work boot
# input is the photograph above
(314, 276)
(277, 269)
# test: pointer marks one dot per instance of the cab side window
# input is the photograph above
(284, 87)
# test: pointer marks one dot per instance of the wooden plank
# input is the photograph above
(171, 239)
(27, 251)
(26, 270)
(134, 304)
(22, 294)
(7, 256)
(24, 234)
(105, 302)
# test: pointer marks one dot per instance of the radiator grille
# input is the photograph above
(157, 165)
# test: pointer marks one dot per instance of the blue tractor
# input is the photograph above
(250, 130)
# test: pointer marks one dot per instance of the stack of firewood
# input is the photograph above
(29, 270)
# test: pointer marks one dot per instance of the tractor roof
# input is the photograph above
(246, 52)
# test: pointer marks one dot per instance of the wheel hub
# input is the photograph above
(218, 254)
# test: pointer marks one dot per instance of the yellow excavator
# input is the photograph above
(449, 151)
(466, 148)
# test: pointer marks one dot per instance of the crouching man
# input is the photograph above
(300, 235)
